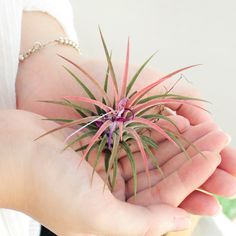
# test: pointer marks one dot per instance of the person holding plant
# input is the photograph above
(46, 184)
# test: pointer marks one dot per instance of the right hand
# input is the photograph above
(57, 83)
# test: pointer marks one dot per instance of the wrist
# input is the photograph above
(18, 153)
(14, 150)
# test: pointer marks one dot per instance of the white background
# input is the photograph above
(185, 31)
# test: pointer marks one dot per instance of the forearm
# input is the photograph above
(42, 77)
(12, 156)
(35, 28)
(18, 130)
(39, 75)
(22, 158)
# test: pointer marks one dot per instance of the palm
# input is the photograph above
(178, 187)
(181, 176)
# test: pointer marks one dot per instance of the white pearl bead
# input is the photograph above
(21, 57)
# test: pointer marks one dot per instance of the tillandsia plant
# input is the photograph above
(112, 125)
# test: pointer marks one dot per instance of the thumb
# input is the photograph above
(126, 219)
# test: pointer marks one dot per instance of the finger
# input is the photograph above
(179, 121)
(177, 186)
(166, 149)
(228, 162)
(199, 203)
(154, 220)
(221, 183)
(181, 125)
(193, 114)
(195, 133)
(214, 142)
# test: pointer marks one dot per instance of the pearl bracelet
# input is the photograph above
(38, 46)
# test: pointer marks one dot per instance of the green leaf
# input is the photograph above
(58, 120)
(91, 149)
(82, 136)
(82, 111)
(81, 148)
(140, 113)
(134, 78)
(107, 76)
(86, 89)
(178, 142)
(99, 152)
(141, 148)
(127, 137)
(67, 125)
(149, 141)
(190, 145)
(127, 149)
(115, 166)
(154, 159)
(149, 87)
(137, 125)
(132, 94)
(94, 81)
(171, 96)
(105, 87)
(107, 159)
(159, 116)
(114, 154)
(109, 63)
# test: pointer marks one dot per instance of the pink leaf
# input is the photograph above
(95, 138)
(94, 81)
(83, 127)
(143, 106)
(90, 101)
(153, 126)
(146, 89)
(121, 125)
(141, 148)
(75, 122)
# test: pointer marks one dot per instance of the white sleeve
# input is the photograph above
(14, 223)
(59, 9)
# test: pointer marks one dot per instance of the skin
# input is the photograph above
(42, 177)
(34, 82)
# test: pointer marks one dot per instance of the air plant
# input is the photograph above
(115, 124)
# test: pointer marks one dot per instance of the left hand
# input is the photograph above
(183, 176)
(222, 182)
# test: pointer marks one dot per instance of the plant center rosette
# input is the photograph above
(115, 124)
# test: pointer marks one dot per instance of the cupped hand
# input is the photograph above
(183, 178)
(48, 185)
(208, 137)
(60, 85)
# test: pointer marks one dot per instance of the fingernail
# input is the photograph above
(229, 139)
(218, 156)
